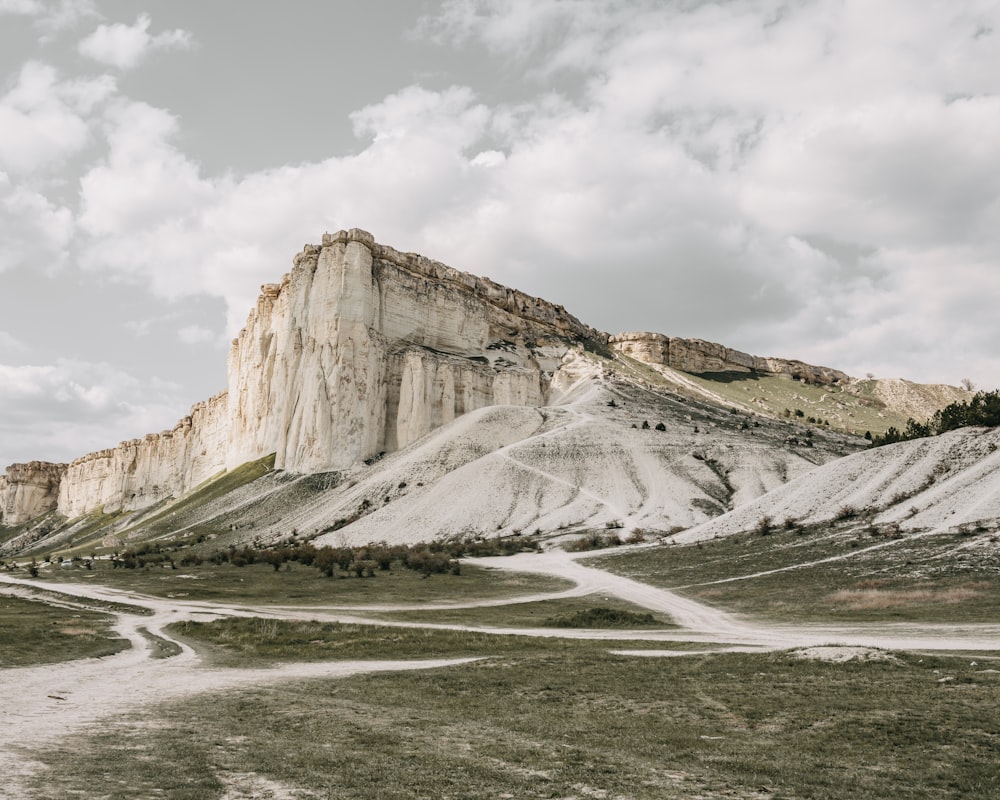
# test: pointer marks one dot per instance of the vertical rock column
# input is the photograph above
(306, 375)
(337, 416)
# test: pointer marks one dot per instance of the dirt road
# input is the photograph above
(43, 703)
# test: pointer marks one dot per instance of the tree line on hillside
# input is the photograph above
(982, 410)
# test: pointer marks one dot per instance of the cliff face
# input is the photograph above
(362, 349)
(359, 350)
(698, 356)
(140, 472)
(29, 490)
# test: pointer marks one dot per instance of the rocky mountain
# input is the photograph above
(412, 383)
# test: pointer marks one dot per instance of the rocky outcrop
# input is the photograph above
(362, 349)
(359, 350)
(29, 490)
(700, 357)
(917, 400)
(140, 472)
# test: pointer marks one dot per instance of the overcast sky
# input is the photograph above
(813, 179)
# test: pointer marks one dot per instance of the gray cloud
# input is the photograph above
(816, 180)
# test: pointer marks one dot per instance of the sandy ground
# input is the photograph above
(41, 704)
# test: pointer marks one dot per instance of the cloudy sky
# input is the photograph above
(814, 179)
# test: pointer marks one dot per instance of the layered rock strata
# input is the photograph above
(699, 357)
(29, 490)
(360, 349)
(141, 472)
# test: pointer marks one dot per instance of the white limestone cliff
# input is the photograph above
(29, 490)
(362, 350)
(359, 350)
(141, 472)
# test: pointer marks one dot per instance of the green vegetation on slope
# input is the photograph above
(982, 410)
(212, 489)
(854, 410)
(85, 535)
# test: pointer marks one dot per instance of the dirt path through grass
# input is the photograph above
(42, 703)
(703, 623)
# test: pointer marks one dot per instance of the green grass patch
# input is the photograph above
(772, 394)
(602, 617)
(86, 536)
(158, 646)
(566, 719)
(33, 632)
(534, 614)
(936, 578)
(212, 489)
(54, 596)
(301, 585)
(242, 641)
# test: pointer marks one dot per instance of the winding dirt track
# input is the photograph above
(41, 704)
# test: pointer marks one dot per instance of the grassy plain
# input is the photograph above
(34, 632)
(549, 718)
(545, 613)
(300, 585)
(939, 578)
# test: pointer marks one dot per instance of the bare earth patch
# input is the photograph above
(841, 655)
(250, 786)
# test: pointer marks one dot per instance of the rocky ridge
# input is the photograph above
(29, 490)
(359, 351)
(700, 357)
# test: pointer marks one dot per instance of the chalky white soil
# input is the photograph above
(578, 463)
(926, 485)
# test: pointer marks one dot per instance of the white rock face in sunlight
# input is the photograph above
(29, 490)
(140, 472)
(359, 350)
(362, 350)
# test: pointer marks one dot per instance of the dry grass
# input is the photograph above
(870, 599)
(32, 632)
(558, 719)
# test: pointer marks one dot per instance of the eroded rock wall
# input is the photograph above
(29, 490)
(359, 350)
(141, 472)
(362, 349)
(699, 357)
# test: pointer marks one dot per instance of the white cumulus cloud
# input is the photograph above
(803, 180)
(197, 334)
(20, 7)
(126, 46)
(45, 121)
(35, 232)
